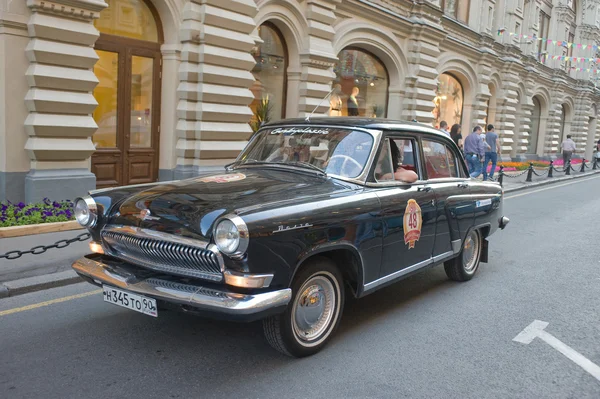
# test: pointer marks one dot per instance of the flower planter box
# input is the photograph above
(43, 228)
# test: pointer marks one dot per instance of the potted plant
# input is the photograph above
(262, 114)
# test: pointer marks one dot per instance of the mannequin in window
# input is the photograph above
(352, 102)
(335, 101)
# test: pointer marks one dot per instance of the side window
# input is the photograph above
(396, 157)
(439, 161)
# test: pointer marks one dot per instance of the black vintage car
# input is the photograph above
(310, 211)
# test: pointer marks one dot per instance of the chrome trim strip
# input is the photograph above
(184, 294)
(374, 284)
(245, 280)
(440, 257)
(164, 240)
(156, 235)
(157, 183)
(456, 245)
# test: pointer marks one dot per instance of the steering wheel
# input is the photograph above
(346, 159)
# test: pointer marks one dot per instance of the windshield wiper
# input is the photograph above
(302, 164)
(307, 165)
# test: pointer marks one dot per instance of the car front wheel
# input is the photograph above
(463, 267)
(313, 313)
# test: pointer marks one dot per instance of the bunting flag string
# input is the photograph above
(561, 43)
(589, 70)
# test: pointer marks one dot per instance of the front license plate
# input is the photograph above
(131, 301)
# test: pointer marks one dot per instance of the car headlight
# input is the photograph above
(231, 236)
(86, 212)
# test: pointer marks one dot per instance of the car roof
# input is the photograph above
(366, 123)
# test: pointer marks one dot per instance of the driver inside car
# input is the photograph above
(400, 174)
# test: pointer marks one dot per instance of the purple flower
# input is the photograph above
(68, 213)
(3, 208)
(16, 212)
(21, 205)
(56, 204)
(47, 201)
(46, 213)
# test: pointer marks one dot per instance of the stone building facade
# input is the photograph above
(99, 93)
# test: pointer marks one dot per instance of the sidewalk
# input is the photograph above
(52, 261)
(512, 183)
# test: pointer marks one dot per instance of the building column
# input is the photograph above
(507, 106)
(215, 80)
(482, 94)
(581, 117)
(171, 56)
(553, 133)
(524, 120)
(14, 161)
(423, 53)
(318, 58)
(60, 100)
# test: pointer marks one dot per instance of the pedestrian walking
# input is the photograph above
(568, 149)
(456, 136)
(474, 151)
(493, 143)
(444, 128)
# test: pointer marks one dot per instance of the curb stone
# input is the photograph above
(549, 181)
(38, 283)
(69, 277)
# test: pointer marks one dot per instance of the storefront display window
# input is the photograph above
(269, 88)
(360, 85)
(448, 102)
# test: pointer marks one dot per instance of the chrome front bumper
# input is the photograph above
(215, 302)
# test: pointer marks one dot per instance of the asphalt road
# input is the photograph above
(424, 337)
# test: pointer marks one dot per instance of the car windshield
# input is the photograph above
(337, 151)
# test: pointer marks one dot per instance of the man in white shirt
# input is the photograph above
(444, 128)
(568, 149)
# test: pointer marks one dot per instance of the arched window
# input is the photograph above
(270, 74)
(535, 126)
(360, 86)
(128, 94)
(448, 102)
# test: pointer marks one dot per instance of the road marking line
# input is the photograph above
(536, 330)
(581, 180)
(48, 303)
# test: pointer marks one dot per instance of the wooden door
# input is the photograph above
(128, 113)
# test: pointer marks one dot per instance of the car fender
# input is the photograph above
(332, 246)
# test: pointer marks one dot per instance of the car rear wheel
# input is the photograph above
(313, 313)
(464, 267)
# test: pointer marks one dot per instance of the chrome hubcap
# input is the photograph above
(471, 252)
(313, 308)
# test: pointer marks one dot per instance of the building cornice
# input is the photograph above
(78, 9)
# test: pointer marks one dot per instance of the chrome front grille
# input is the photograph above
(163, 253)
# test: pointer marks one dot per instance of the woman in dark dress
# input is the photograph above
(456, 135)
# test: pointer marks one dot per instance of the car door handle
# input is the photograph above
(463, 185)
(424, 188)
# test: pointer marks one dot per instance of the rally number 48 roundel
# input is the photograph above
(412, 223)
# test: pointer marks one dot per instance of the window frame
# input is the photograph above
(372, 180)
(455, 16)
(458, 161)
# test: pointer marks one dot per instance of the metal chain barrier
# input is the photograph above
(40, 249)
(531, 171)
